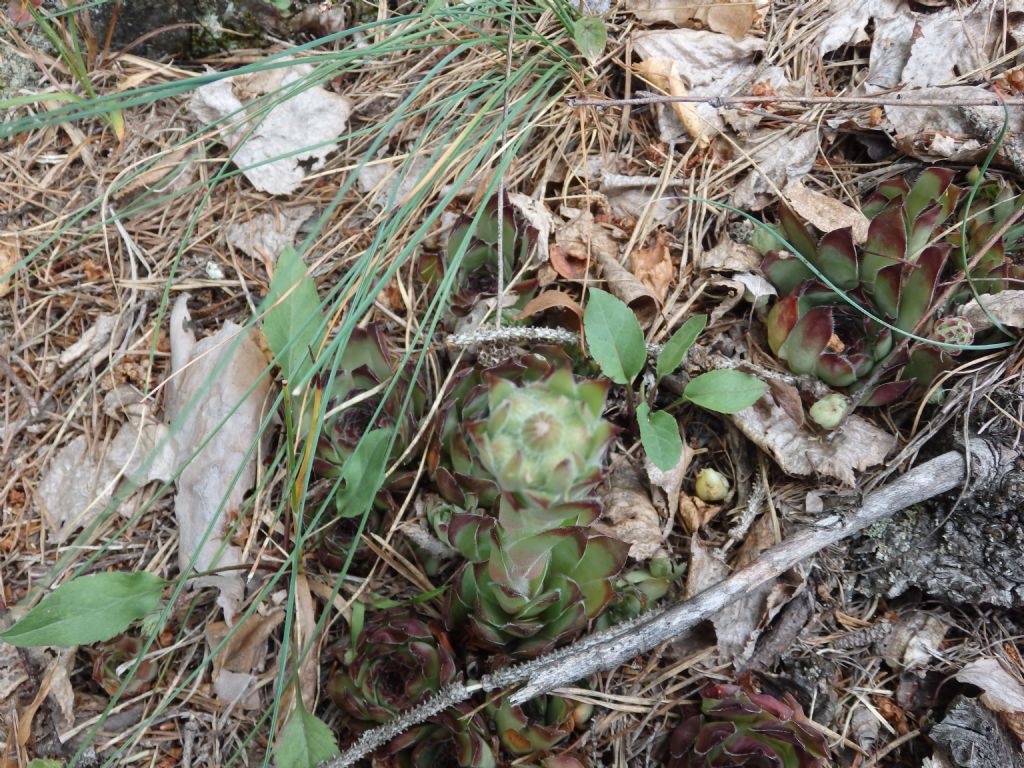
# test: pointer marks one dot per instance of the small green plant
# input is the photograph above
(398, 659)
(740, 729)
(539, 725)
(481, 255)
(87, 609)
(888, 286)
(616, 342)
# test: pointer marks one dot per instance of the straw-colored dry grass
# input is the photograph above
(59, 184)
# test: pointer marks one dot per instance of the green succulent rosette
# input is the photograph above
(524, 594)
(527, 429)
(739, 729)
(121, 652)
(356, 401)
(539, 725)
(913, 238)
(399, 660)
(456, 738)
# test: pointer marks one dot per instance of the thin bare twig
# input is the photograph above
(803, 101)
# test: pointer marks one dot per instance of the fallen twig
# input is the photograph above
(984, 461)
(893, 100)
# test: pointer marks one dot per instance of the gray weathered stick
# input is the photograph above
(607, 650)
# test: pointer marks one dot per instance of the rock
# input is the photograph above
(225, 24)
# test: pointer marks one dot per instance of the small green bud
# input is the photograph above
(712, 485)
(829, 411)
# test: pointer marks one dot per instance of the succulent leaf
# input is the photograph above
(837, 257)
(456, 737)
(894, 276)
(539, 724)
(112, 655)
(737, 729)
(535, 591)
(526, 428)
(399, 659)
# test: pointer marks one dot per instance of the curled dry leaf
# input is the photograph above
(577, 242)
(625, 286)
(859, 444)
(631, 197)
(666, 485)
(709, 64)
(664, 75)
(730, 256)
(915, 640)
(243, 655)
(779, 158)
(536, 215)
(215, 419)
(825, 212)
(653, 267)
(630, 516)
(1002, 692)
(696, 513)
(732, 18)
(569, 310)
(706, 568)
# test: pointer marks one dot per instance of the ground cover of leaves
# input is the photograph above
(114, 328)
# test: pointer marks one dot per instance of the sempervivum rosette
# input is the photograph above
(399, 660)
(738, 729)
(526, 428)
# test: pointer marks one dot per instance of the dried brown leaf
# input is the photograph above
(265, 235)
(571, 312)
(630, 516)
(729, 256)
(217, 401)
(290, 141)
(859, 444)
(825, 212)
(235, 665)
(696, 513)
(575, 240)
(736, 626)
(653, 267)
(1001, 691)
(663, 74)
(732, 19)
(706, 568)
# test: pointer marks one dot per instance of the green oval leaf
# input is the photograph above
(305, 742)
(724, 391)
(614, 337)
(87, 610)
(293, 319)
(673, 353)
(362, 474)
(659, 434)
(591, 37)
